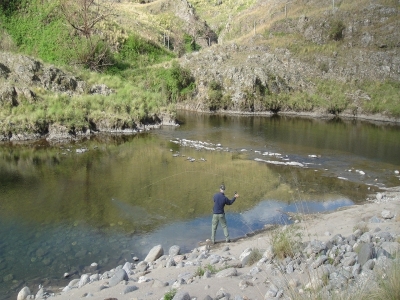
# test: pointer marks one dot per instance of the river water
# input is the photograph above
(109, 198)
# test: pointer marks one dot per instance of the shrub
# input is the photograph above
(336, 30)
(170, 294)
(214, 95)
(286, 241)
(255, 256)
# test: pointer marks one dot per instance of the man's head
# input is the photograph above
(222, 188)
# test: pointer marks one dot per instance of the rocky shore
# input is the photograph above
(346, 252)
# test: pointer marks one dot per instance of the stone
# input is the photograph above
(391, 247)
(130, 288)
(366, 253)
(319, 261)
(226, 273)
(154, 253)
(159, 284)
(94, 277)
(174, 250)
(181, 295)
(24, 293)
(128, 268)
(119, 275)
(366, 237)
(83, 280)
(375, 219)
(386, 214)
(244, 257)
(369, 265)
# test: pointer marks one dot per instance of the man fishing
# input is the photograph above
(220, 200)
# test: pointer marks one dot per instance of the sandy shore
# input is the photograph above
(313, 227)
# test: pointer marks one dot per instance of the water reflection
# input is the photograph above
(62, 210)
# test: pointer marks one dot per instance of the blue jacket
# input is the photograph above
(220, 200)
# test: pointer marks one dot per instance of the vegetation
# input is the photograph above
(254, 257)
(286, 241)
(135, 60)
(170, 294)
(200, 271)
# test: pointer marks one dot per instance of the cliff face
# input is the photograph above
(290, 55)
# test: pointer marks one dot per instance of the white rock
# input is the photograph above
(24, 293)
(387, 214)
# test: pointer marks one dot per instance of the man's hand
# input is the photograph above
(236, 195)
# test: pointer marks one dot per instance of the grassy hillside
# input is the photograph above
(341, 51)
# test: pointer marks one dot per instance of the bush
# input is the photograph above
(170, 294)
(254, 257)
(336, 30)
(286, 241)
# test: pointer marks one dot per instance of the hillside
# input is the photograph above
(320, 58)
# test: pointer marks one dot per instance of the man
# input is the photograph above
(220, 200)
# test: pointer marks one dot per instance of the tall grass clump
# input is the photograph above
(286, 241)
(137, 52)
(384, 97)
(388, 284)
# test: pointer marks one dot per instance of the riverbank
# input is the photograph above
(338, 251)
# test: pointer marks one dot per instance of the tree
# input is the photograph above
(83, 16)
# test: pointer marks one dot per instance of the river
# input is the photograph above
(109, 198)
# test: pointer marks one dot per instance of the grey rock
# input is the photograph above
(319, 261)
(384, 236)
(391, 247)
(73, 283)
(245, 255)
(369, 265)
(130, 288)
(366, 237)
(181, 295)
(207, 274)
(226, 273)
(356, 270)
(387, 214)
(375, 219)
(127, 268)
(84, 280)
(119, 275)
(23, 293)
(349, 261)
(40, 293)
(318, 246)
(174, 250)
(94, 277)
(159, 284)
(154, 253)
(366, 252)
(221, 294)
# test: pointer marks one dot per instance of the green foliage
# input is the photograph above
(286, 241)
(170, 294)
(176, 82)
(336, 30)
(137, 52)
(214, 95)
(384, 97)
(334, 95)
(190, 44)
(200, 271)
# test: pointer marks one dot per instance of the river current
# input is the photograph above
(110, 198)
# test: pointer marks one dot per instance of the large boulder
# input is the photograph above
(154, 253)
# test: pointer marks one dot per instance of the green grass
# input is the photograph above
(170, 294)
(286, 241)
